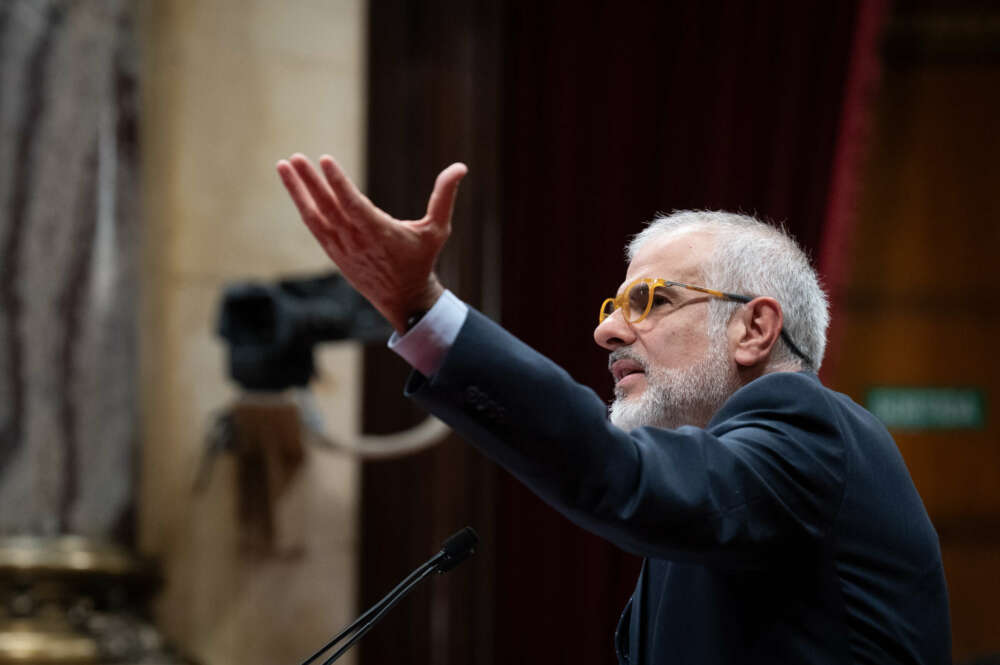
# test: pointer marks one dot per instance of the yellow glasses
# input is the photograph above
(639, 298)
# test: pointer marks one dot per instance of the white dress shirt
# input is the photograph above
(425, 345)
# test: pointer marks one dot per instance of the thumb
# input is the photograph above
(442, 201)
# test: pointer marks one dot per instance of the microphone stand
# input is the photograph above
(456, 549)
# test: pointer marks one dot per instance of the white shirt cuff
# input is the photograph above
(424, 346)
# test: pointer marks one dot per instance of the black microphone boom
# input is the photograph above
(459, 547)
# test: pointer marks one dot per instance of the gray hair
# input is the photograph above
(756, 259)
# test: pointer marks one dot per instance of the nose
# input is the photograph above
(614, 332)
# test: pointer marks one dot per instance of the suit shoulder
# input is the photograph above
(780, 390)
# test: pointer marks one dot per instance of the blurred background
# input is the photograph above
(153, 509)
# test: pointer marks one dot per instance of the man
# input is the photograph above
(777, 519)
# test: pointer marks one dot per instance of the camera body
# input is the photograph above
(271, 329)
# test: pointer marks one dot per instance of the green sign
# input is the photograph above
(928, 408)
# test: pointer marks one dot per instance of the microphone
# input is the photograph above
(459, 547)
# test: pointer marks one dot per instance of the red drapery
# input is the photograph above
(580, 121)
(611, 115)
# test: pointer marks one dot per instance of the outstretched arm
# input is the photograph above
(389, 261)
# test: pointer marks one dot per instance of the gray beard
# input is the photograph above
(675, 397)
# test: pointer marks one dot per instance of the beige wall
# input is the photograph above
(229, 87)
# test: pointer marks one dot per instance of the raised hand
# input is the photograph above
(389, 261)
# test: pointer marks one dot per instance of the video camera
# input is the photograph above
(272, 328)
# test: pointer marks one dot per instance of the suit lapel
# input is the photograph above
(635, 625)
(627, 633)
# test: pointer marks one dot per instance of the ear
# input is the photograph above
(755, 330)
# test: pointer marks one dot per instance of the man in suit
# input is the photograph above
(776, 517)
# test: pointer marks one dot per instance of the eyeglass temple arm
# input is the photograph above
(784, 334)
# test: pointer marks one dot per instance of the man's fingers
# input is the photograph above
(306, 206)
(442, 201)
(353, 204)
(297, 191)
(318, 189)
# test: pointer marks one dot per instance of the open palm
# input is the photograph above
(389, 261)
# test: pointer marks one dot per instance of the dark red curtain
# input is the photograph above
(613, 112)
(583, 120)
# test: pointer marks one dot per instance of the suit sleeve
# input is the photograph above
(767, 472)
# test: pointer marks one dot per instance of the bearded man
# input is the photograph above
(776, 518)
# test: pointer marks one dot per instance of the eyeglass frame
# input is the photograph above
(618, 301)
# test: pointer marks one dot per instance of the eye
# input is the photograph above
(660, 298)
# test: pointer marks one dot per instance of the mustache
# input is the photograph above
(626, 353)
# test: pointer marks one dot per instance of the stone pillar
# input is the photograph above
(68, 248)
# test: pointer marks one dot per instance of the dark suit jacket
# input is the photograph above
(787, 531)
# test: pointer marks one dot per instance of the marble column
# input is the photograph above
(68, 251)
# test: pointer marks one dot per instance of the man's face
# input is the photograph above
(668, 371)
